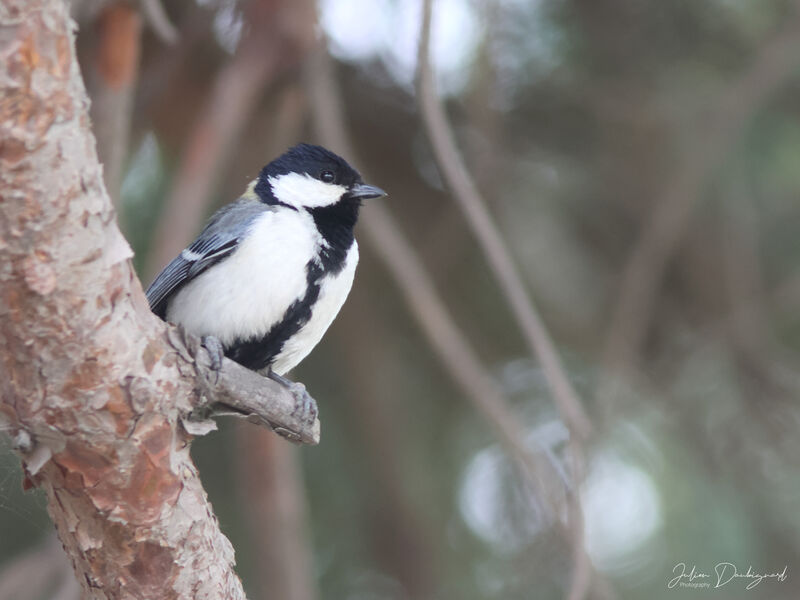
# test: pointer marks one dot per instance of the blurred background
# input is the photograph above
(641, 161)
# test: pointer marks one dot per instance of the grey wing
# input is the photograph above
(219, 239)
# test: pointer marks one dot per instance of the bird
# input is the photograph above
(269, 272)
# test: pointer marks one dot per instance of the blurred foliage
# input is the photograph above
(573, 115)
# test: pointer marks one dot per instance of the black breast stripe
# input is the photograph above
(260, 352)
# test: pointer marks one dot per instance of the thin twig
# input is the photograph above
(159, 21)
(743, 276)
(449, 343)
(659, 236)
(402, 533)
(464, 190)
(405, 531)
(582, 569)
(270, 482)
(536, 335)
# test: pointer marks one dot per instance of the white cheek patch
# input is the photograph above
(303, 191)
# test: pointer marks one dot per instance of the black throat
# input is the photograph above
(335, 224)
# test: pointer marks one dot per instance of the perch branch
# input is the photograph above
(239, 392)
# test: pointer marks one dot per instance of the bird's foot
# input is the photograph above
(215, 351)
(305, 407)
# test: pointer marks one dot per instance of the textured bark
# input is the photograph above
(95, 389)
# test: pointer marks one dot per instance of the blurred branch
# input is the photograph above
(406, 267)
(765, 368)
(786, 294)
(403, 538)
(658, 238)
(446, 339)
(158, 20)
(274, 42)
(449, 342)
(458, 179)
(460, 182)
(271, 490)
(164, 81)
(582, 568)
(743, 276)
(112, 83)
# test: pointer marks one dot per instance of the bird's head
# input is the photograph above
(308, 177)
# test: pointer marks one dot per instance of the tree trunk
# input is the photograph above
(93, 390)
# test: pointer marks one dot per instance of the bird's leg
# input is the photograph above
(305, 407)
(215, 351)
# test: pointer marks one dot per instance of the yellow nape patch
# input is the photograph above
(250, 192)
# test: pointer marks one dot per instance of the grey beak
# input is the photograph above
(365, 191)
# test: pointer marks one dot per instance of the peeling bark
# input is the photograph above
(94, 389)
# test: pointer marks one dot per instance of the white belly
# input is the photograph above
(332, 294)
(248, 292)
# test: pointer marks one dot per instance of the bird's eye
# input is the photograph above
(327, 177)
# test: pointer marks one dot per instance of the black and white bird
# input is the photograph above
(269, 272)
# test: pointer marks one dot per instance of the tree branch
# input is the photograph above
(466, 193)
(455, 174)
(274, 503)
(665, 224)
(95, 389)
(159, 21)
(236, 391)
(451, 346)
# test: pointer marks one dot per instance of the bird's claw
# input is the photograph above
(215, 351)
(305, 407)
